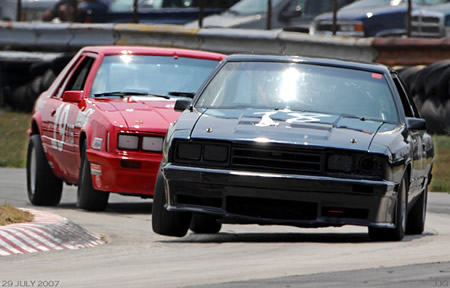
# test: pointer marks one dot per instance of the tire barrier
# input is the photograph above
(430, 89)
(23, 80)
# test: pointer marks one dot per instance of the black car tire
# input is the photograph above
(204, 224)
(397, 233)
(417, 215)
(89, 198)
(164, 222)
(43, 187)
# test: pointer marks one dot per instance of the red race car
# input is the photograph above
(102, 122)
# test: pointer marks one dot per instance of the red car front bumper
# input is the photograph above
(133, 174)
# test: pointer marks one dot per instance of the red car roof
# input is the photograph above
(157, 51)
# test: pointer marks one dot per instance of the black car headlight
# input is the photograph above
(340, 162)
(201, 152)
(367, 164)
(188, 151)
(357, 164)
(372, 165)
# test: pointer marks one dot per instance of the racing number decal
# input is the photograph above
(59, 129)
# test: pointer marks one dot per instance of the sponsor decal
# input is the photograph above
(83, 117)
(97, 143)
(268, 118)
(98, 181)
(96, 169)
(59, 129)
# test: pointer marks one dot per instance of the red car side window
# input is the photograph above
(77, 77)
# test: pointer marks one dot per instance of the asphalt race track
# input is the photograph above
(240, 256)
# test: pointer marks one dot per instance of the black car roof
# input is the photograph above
(372, 67)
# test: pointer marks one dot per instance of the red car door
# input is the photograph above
(62, 132)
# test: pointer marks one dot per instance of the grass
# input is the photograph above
(11, 215)
(441, 175)
(13, 140)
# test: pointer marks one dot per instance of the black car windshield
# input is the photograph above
(152, 75)
(300, 87)
(386, 3)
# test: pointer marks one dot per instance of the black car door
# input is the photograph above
(416, 135)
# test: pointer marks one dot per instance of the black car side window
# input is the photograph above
(406, 103)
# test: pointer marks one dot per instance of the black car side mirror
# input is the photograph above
(416, 123)
(182, 104)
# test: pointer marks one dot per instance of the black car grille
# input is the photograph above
(276, 159)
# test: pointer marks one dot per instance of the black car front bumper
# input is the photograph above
(284, 199)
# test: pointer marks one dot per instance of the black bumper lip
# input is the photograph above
(323, 192)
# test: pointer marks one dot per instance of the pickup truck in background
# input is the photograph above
(431, 22)
(369, 18)
(292, 15)
(149, 11)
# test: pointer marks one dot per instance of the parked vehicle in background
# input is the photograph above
(102, 122)
(288, 14)
(32, 10)
(151, 11)
(369, 18)
(431, 22)
(297, 141)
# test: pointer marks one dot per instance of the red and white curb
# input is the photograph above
(47, 232)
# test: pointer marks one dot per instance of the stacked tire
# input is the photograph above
(430, 89)
(23, 82)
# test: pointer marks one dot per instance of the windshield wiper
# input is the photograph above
(120, 94)
(182, 94)
(361, 118)
(353, 117)
(129, 93)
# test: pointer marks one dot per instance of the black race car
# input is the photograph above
(296, 141)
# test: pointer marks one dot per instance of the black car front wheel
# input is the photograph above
(165, 222)
(397, 233)
(204, 224)
(89, 198)
(417, 215)
(43, 187)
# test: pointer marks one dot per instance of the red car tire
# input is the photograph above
(43, 187)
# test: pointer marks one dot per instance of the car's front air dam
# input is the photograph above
(269, 198)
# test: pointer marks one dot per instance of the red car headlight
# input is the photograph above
(150, 143)
(128, 142)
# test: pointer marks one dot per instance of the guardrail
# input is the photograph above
(70, 37)
(65, 37)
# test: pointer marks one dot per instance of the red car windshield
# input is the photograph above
(147, 74)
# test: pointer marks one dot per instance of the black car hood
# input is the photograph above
(287, 127)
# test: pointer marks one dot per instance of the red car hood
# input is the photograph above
(143, 113)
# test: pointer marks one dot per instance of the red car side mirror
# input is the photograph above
(73, 96)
